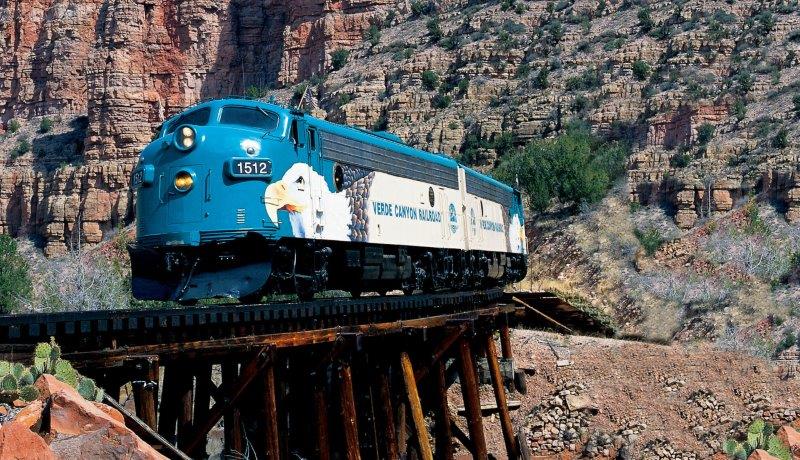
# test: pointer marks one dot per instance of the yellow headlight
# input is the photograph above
(183, 181)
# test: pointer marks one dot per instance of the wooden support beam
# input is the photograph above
(186, 397)
(548, 318)
(236, 389)
(505, 341)
(416, 407)
(271, 411)
(145, 393)
(440, 350)
(168, 410)
(469, 388)
(231, 423)
(402, 433)
(202, 392)
(462, 437)
(348, 412)
(387, 415)
(321, 409)
(444, 434)
(500, 397)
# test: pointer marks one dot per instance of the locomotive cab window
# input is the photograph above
(312, 139)
(251, 117)
(198, 118)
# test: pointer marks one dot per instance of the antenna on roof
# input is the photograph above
(302, 98)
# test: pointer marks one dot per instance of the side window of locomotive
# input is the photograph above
(250, 117)
(198, 118)
(312, 139)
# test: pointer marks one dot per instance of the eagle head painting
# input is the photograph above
(314, 211)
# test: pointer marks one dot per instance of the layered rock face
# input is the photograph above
(126, 65)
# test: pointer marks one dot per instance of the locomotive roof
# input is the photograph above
(383, 139)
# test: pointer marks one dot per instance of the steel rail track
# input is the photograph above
(97, 330)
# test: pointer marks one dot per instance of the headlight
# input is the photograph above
(183, 181)
(185, 138)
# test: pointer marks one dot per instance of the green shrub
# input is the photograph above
(430, 80)
(650, 239)
(794, 35)
(590, 79)
(434, 29)
(765, 22)
(641, 70)
(739, 110)
(745, 81)
(339, 58)
(13, 126)
(373, 35)
(420, 7)
(344, 98)
(789, 339)
(541, 78)
(680, 160)
(555, 30)
(781, 139)
(46, 125)
(705, 133)
(23, 147)
(575, 168)
(645, 21)
(441, 101)
(15, 282)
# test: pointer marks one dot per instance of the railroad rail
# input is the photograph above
(351, 378)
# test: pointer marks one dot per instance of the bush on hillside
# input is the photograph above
(575, 168)
(46, 125)
(641, 70)
(13, 126)
(339, 58)
(430, 80)
(15, 282)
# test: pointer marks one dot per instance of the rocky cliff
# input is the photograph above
(704, 91)
(107, 72)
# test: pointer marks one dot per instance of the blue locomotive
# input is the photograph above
(239, 198)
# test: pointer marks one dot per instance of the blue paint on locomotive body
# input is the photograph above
(223, 211)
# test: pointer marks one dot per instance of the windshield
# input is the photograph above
(251, 117)
(198, 118)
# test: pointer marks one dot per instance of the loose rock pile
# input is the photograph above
(707, 417)
(560, 422)
(661, 449)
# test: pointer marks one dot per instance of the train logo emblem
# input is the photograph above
(453, 218)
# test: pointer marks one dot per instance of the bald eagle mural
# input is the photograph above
(317, 212)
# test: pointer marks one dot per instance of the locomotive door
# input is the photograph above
(317, 186)
(442, 202)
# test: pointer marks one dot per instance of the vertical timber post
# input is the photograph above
(145, 393)
(271, 412)
(500, 398)
(505, 341)
(321, 409)
(444, 435)
(472, 402)
(390, 435)
(185, 397)
(202, 400)
(231, 423)
(168, 410)
(352, 446)
(416, 408)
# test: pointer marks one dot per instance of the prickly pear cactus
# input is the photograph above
(8, 383)
(87, 388)
(66, 373)
(26, 378)
(42, 350)
(5, 368)
(28, 393)
(17, 369)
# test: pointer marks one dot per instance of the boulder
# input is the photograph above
(791, 438)
(580, 403)
(31, 415)
(18, 442)
(760, 454)
(80, 429)
(47, 384)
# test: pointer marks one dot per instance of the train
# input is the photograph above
(242, 198)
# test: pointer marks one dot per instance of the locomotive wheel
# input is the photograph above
(355, 293)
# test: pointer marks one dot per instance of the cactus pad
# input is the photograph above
(26, 378)
(87, 388)
(28, 393)
(5, 368)
(8, 383)
(17, 369)
(42, 350)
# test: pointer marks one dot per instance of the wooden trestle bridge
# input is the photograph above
(327, 379)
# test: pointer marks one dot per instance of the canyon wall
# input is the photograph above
(112, 70)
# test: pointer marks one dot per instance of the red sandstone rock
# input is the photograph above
(791, 438)
(31, 415)
(80, 429)
(110, 411)
(18, 442)
(760, 454)
(47, 384)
